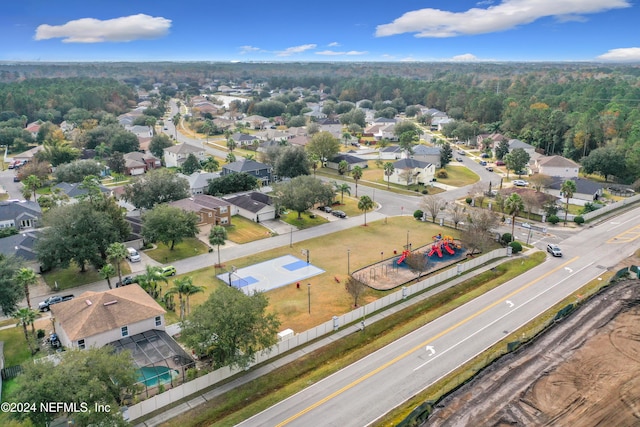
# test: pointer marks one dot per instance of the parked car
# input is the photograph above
(483, 163)
(133, 255)
(484, 155)
(326, 209)
(167, 271)
(462, 153)
(520, 183)
(339, 214)
(554, 250)
(127, 280)
(499, 163)
(458, 159)
(490, 168)
(54, 299)
(16, 178)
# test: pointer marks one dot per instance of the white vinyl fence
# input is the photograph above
(192, 387)
(605, 209)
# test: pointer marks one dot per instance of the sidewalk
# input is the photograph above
(305, 350)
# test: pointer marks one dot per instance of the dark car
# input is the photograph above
(459, 159)
(326, 209)
(339, 214)
(127, 280)
(499, 163)
(16, 178)
(490, 168)
(483, 163)
(484, 155)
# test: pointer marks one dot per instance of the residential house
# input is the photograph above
(147, 160)
(352, 162)
(254, 206)
(427, 154)
(74, 190)
(33, 128)
(29, 155)
(22, 245)
(586, 191)
(438, 123)
(175, 155)
(261, 171)
(333, 126)
(516, 143)
(244, 139)
(199, 181)
(392, 152)
(21, 215)
(556, 166)
(300, 140)
(140, 131)
(412, 171)
(257, 122)
(495, 139)
(210, 210)
(95, 319)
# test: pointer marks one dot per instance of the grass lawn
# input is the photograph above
(459, 176)
(243, 230)
(329, 253)
(306, 220)
(185, 249)
(71, 277)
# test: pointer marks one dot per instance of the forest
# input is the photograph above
(588, 112)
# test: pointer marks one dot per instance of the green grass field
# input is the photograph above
(243, 230)
(185, 249)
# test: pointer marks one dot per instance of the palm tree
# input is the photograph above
(314, 159)
(567, 189)
(365, 204)
(346, 136)
(116, 253)
(32, 182)
(342, 188)
(231, 158)
(26, 316)
(388, 171)
(211, 164)
(356, 173)
(106, 272)
(514, 205)
(149, 280)
(231, 144)
(217, 236)
(180, 287)
(26, 277)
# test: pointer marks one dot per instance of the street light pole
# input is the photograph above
(291, 238)
(407, 239)
(348, 261)
(309, 295)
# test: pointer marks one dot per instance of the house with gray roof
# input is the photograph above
(175, 155)
(22, 245)
(412, 171)
(21, 215)
(199, 181)
(392, 152)
(261, 171)
(352, 162)
(244, 139)
(254, 206)
(586, 190)
(556, 166)
(427, 154)
(74, 190)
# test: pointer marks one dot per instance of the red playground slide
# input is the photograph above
(448, 248)
(404, 255)
(433, 249)
(439, 251)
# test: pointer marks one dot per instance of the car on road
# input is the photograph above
(499, 163)
(490, 168)
(462, 153)
(127, 280)
(16, 178)
(483, 163)
(554, 250)
(167, 271)
(339, 214)
(520, 183)
(525, 225)
(458, 159)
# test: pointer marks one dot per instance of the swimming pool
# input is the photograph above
(151, 376)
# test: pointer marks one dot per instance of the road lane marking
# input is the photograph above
(424, 344)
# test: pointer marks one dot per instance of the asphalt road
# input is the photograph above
(369, 388)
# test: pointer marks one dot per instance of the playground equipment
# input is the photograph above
(403, 256)
(448, 248)
(435, 249)
(443, 243)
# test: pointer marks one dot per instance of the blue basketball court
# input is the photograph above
(270, 274)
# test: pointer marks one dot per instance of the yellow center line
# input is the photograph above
(421, 345)
(626, 236)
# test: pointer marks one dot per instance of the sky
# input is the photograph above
(327, 31)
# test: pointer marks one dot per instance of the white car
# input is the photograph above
(520, 183)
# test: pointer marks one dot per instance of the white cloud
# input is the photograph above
(90, 30)
(467, 57)
(333, 44)
(248, 49)
(626, 54)
(336, 53)
(504, 16)
(296, 49)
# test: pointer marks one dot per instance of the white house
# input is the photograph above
(556, 166)
(412, 171)
(175, 155)
(427, 154)
(199, 181)
(254, 206)
(94, 319)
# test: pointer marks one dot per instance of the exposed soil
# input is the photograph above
(583, 372)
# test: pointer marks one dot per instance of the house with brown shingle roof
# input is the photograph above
(94, 319)
(210, 210)
(556, 166)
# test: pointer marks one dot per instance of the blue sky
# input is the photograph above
(250, 30)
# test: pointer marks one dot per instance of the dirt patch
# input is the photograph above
(583, 372)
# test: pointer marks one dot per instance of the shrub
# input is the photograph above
(515, 247)
(578, 220)
(8, 231)
(442, 173)
(418, 214)
(553, 219)
(468, 200)
(425, 191)
(506, 238)
(192, 374)
(40, 333)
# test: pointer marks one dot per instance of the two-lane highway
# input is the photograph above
(369, 388)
